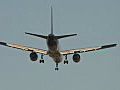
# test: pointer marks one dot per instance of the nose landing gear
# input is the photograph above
(56, 69)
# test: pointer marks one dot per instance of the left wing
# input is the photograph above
(73, 51)
(40, 51)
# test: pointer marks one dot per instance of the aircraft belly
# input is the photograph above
(54, 48)
(57, 57)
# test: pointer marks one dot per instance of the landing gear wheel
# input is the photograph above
(65, 61)
(56, 69)
(41, 61)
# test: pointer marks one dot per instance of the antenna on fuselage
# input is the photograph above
(51, 20)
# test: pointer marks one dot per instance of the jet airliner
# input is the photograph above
(53, 48)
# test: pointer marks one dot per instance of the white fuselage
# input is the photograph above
(53, 48)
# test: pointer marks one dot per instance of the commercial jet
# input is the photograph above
(53, 48)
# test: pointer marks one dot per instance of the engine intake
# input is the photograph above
(76, 58)
(33, 56)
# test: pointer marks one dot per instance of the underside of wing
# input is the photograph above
(73, 51)
(40, 51)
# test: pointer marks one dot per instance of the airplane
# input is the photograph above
(53, 48)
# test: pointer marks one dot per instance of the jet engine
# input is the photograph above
(76, 58)
(33, 56)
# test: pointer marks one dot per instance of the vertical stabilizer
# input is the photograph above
(51, 20)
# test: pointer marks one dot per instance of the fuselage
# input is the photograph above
(53, 48)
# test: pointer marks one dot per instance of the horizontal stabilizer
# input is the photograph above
(42, 36)
(64, 36)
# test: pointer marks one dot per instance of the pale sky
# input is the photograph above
(97, 22)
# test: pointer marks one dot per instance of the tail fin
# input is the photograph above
(64, 36)
(51, 20)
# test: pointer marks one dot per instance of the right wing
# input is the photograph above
(40, 51)
(73, 51)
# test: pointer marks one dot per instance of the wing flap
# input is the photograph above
(40, 51)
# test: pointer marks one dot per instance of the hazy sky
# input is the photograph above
(97, 22)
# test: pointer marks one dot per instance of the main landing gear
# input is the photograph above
(65, 61)
(41, 60)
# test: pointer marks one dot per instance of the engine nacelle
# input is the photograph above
(76, 58)
(33, 56)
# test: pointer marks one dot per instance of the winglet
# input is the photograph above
(3, 43)
(108, 46)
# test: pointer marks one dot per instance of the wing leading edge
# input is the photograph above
(40, 51)
(73, 51)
